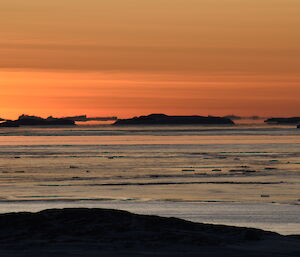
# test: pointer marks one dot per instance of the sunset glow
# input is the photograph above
(130, 57)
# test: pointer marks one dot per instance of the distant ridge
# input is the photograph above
(290, 120)
(85, 118)
(163, 119)
(27, 120)
(32, 120)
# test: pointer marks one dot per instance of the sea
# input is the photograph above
(242, 175)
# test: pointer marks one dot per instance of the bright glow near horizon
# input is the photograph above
(132, 57)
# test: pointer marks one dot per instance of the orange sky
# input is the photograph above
(132, 57)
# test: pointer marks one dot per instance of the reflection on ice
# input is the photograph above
(187, 164)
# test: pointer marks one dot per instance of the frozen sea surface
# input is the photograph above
(241, 175)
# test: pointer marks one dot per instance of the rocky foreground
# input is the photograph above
(104, 232)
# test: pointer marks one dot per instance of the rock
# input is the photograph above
(85, 118)
(162, 119)
(25, 120)
(290, 120)
(264, 195)
(102, 232)
(9, 124)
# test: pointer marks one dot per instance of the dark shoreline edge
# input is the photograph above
(108, 232)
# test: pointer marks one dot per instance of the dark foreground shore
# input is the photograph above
(104, 232)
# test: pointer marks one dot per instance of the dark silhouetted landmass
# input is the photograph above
(9, 124)
(103, 232)
(233, 117)
(291, 120)
(162, 119)
(85, 118)
(26, 120)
